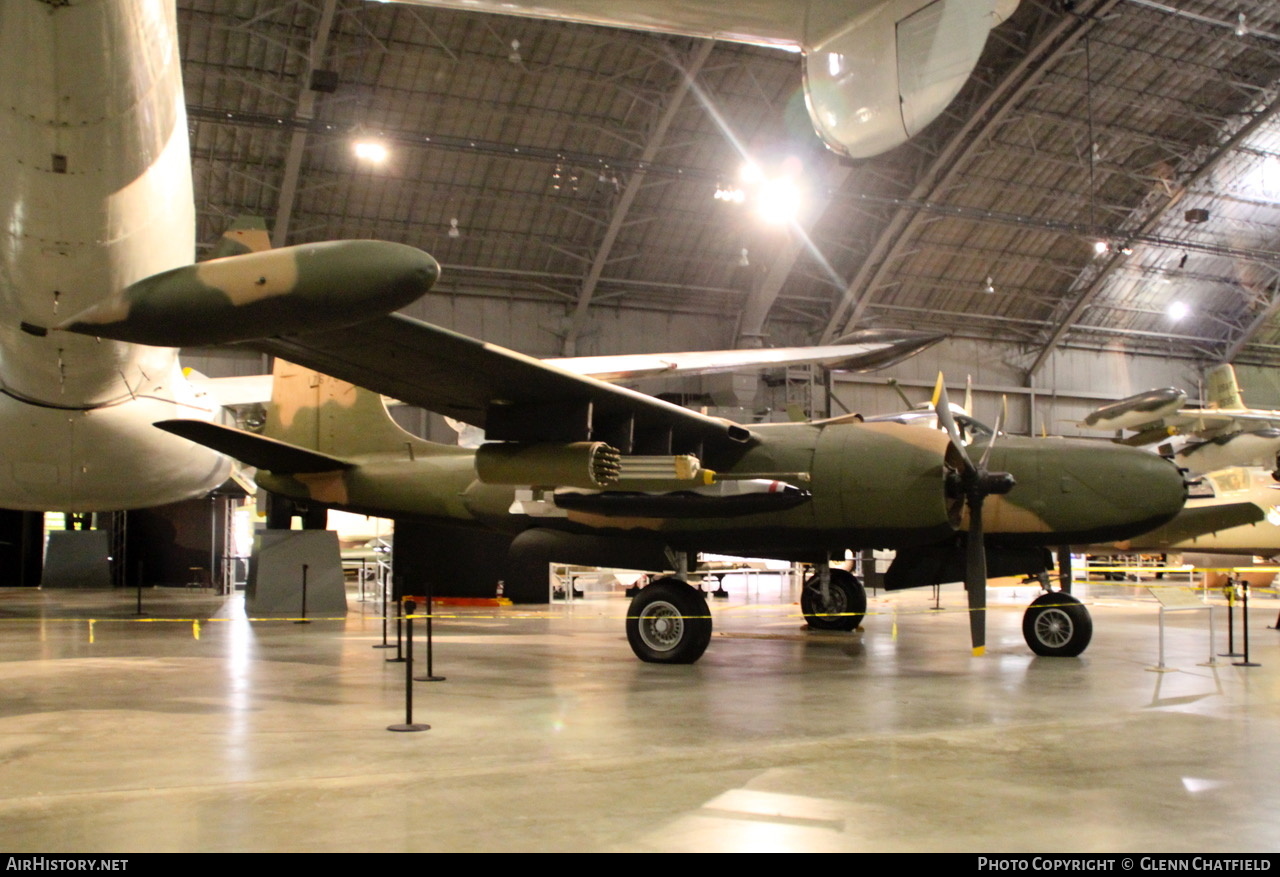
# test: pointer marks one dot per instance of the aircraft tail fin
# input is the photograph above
(337, 419)
(1223, 391)
(246, 234)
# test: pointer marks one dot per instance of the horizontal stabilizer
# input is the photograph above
(255, 450)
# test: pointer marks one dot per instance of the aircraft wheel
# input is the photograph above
(843, 610)
(1056, 625)
(668, 623)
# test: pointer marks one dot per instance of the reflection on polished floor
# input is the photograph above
(167, 734)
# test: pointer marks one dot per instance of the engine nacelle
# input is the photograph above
(884, 76)
(590, 465)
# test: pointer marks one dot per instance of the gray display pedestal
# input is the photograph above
(77, 559)
(275, 574)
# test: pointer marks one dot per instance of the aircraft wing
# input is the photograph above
(1200, 521)
(239, 390)
(1246, 418)
(513, 397)
(862, 351)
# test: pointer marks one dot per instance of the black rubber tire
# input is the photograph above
(847, 606)
(668, 622)
(1057, 625)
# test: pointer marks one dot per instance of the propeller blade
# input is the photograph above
(975, 578)
(995, 434)
(942, 407)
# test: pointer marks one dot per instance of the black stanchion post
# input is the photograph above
(430, 677)
(1244, 625)
(408, 725)
(1230, 590)
(303, 619)
(140, 588)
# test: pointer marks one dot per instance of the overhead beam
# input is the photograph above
(1255, 326)
(1090, 288)
(618, 220)
(972, 136)
(304, 113)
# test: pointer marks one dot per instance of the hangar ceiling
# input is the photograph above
(1107, 161)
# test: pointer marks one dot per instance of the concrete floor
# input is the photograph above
(119, 735)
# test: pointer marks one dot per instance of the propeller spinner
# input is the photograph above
(972, 484)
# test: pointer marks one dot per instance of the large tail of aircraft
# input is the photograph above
(1223, 392)
(332, 417)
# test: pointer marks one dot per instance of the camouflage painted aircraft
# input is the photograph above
(1220, 435)
(577, 469)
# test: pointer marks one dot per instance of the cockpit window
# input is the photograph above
(970, 429)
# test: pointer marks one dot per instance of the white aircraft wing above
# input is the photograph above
(865, 350)
(239, 390)
(1217, 419)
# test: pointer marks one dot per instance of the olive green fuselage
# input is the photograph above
(880, 485)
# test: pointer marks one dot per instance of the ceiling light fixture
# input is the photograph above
(514, 57)
(990, 288)
(370, 150)
(1177, 310)
(1242, 25)
(453, 228)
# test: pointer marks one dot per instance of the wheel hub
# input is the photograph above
(661, 626)
(1054, 627)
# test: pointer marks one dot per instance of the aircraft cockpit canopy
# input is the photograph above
(971, 430)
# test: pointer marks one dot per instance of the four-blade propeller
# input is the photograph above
(972, 484)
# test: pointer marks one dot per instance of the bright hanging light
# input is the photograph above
(732, 194)
(1177, 310)
(778, 201)
(1100, 247)
(370, 150)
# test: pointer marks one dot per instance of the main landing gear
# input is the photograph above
(668, 622)
(1056, 625)
(841, 608)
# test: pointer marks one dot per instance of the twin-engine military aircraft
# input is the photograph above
(576, 468)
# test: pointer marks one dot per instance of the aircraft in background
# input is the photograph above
(96, 200)
(1220, 435)
(876, 72)
(578, 470)
(1231, 519)
(1232, 511)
